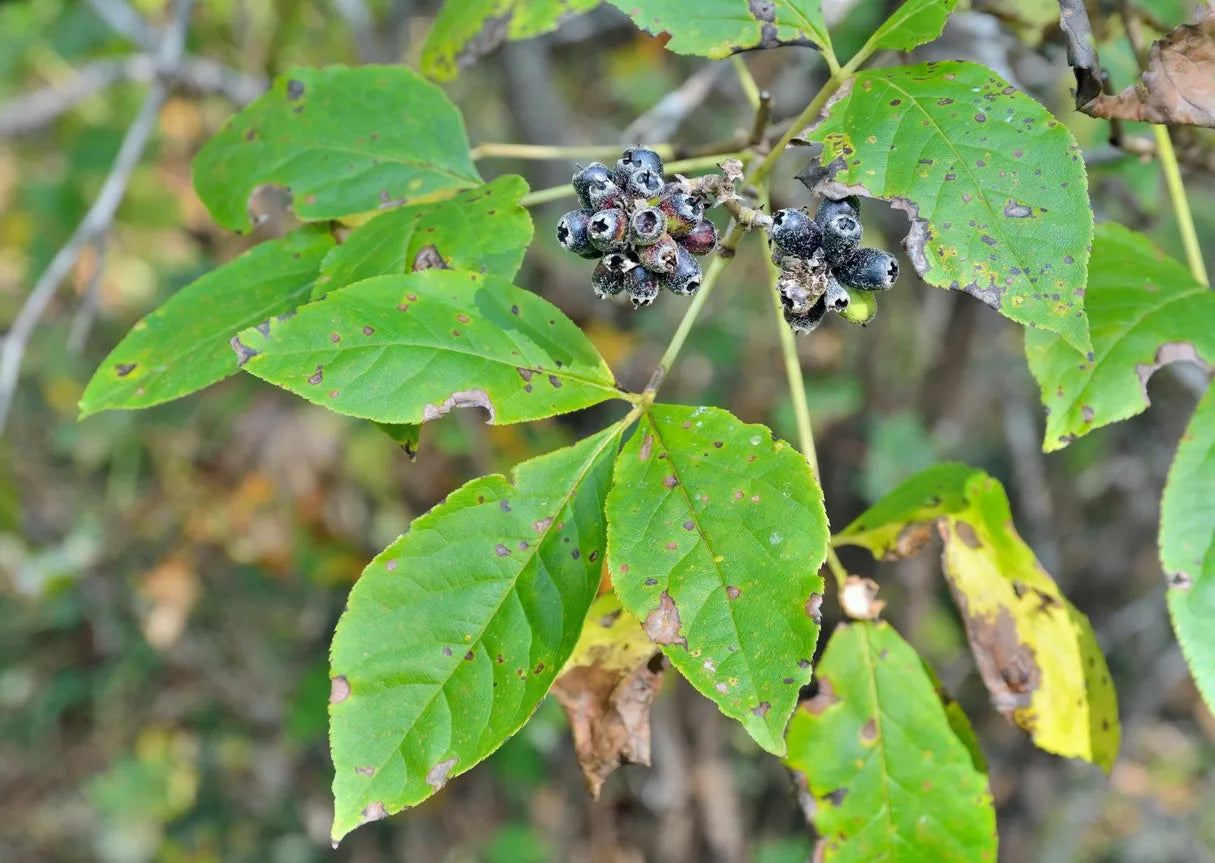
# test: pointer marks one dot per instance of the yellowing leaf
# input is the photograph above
(1037, 653)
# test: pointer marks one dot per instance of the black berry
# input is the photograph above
(683, 211)
(702, 239)
(795, 233)
(644, 183)
(841, 235)
(595, 176)
(830, 208)
(611, 274)
(608, 230)
(685, 279)
(635, 158)
(647, 226)
(868, 270)
(572, 233)
(642, 286)
(807, 322)
(660, 257)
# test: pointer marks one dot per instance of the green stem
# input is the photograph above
(541, 152)
(747, 80)
(556, 193)
(1181, 205)
(685, 326)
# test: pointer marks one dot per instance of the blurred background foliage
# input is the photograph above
(169, 580)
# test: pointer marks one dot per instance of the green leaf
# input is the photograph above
(911, 25)
(1187, 544)
(455, 632)
(1145, 310)
(409, 348)
(343, 141)
(996, 188)
(183, 345)
(464, 32)
(483, 229)
(406, 435)
(719, 28)
(1036, 652)
(716, 533)
(890, 779)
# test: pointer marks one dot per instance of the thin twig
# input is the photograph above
(122, 18)
(661, 121)
(100, 215)
(87, 312)
(39, 108)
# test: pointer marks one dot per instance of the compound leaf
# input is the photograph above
(719, 28)
(911, 25)
(465, 31)
(455, 632)
(182, 346)
(1145, 310)
(890, 778)
(716, 533)
(1036, 652)
(996, 188)
(1187, 544)
(483, 229)
(343, 141)
(409, 348)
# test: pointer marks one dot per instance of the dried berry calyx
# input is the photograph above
(647, 226)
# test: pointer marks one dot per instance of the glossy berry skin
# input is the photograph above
(830, 208)
(868, 270)
(571, 233)
(862, 307)
(594, 177)
(702, 239)
(636, 158)
(807, 322)
(644, 183)
(841, 235)
(608, 230)
(683, 211)
(686, 277)
(647, 226)
(660, 257)
(641, 286)
(611, 274)
(795, 233)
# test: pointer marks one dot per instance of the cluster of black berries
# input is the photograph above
(823, 267)
(643, 230)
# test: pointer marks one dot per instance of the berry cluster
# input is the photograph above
(644, 230)
(823, 267)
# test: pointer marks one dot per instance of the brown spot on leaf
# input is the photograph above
(820, 702)
(869, 732)
(647, 445)
(460, 399)
(244, 353)
(662, 624)
(1015, 210)
(814, 608)
(609, 715)
(339, 689)
(543, 524)
(295, 89)
(761, 709)
(733, 592)
(124, 369)
(368, 331)
(365, 771)
(501, 550)
(555, 381)
(428, 258)
(317, 376)
(967, 534)
(436, 777)
(669, 481)
(373, 812)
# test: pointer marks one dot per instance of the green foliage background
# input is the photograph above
(169, 581)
